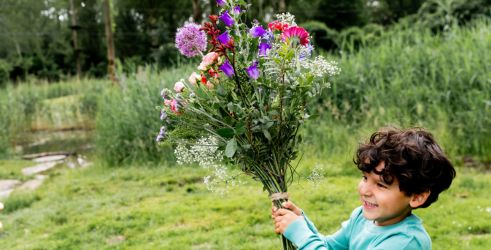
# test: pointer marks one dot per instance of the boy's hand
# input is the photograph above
(289, 205)
(282, 218)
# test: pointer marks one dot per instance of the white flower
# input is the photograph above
(320, 67)
(286, 18)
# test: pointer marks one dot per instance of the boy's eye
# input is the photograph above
(381, 185)
(364, 178)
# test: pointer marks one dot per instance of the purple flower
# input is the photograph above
(224, 38)
(227, 69)
(163, 115)
(221, 2)
(190, 40)
(257, 31)
(253, 71)
(237, 9)
(227, 19)
(264, 48)
(161, 134)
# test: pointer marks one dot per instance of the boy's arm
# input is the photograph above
(303, 234)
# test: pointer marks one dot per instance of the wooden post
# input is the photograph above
(109, 42)
(74, 28)
(282, 6)
(197, 12)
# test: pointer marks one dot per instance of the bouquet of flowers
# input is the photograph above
(250, 94)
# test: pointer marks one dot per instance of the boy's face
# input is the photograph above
(383, 203)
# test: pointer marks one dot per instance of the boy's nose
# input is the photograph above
(364, 189)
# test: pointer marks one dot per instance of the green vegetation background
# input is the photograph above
(135, 197)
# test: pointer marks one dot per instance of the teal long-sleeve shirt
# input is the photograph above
(360, 233)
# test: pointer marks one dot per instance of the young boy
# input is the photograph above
(402, 170)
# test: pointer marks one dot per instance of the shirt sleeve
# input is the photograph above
(303, 234)
(403, 242)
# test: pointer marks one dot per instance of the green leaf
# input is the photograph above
(267, 134)
(240, 128)
(225, 132)
(231, 148)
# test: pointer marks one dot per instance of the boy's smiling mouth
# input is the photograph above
(369, 205)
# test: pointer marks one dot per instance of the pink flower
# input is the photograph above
(193, 78)
(179, 86)
(174, 106)
(208, 60)
(296, 32)
(167, 102)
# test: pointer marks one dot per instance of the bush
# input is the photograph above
(413, 77)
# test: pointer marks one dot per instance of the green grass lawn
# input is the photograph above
(170, 208)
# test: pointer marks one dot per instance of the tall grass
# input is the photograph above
(415, 78)
(128, 121)
(22, 105)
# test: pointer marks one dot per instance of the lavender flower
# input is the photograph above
(221, 2)
(224, 38)
(161, 134)
(253, 71)
(264, 48)
(227, 19)
(257, 31)
(190, 40)
(227, 69)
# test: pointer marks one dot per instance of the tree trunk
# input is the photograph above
(197, 11)
(282, 6)
(109, 42)
(74, 28)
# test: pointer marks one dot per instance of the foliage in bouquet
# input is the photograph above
(250, 91)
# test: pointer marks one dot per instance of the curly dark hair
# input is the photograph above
(412, 156)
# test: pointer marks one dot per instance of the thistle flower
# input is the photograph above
(296, 32)
(253, 71)
(227, 19)
(227, 69)
(190, 40)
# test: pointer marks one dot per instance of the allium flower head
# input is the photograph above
(190, 40)
(296, 32)
(227, 19)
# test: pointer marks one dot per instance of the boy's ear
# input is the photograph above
(419, 199)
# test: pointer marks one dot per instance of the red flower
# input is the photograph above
(298, 32)
(203, 79)
(277, 25)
